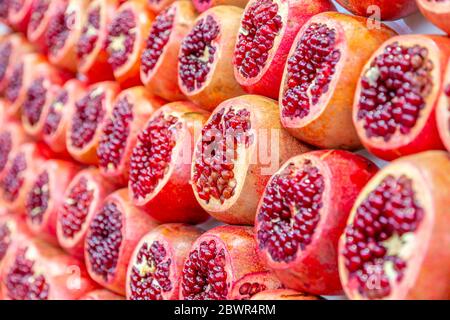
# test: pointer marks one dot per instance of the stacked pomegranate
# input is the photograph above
(129, 128)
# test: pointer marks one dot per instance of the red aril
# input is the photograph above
(205, 69)
(436, 11)
(46, 196)
(242, 144)
(396, 242)
(160, 164)
(131, 110)
(217, 260)
(126, 41)
(443, 111)
(19, 14)
(254, 283)
(101, 294)
(267, 31)
(63, 33)
(34, 270)
(159, 60)
(155, 268)
(380, 9)
(82, 198)
(11, 137)
(91, 110)
(302, 214)
(321, 75)
(59, 115)
(283, 294)
(203, 5)
(113, 233)
(91, 47)
(397, 94)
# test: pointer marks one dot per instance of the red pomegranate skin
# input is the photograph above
(389, 10)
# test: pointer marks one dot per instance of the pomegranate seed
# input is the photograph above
(39, 9)
(55, 112)
(89, 35)
(5, 148)
(38, 198)
(59, 28)
(5, 239)
(35, 100)
(13, 179)
(5, 54)
(12, 90)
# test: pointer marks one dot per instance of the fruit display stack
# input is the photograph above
(224, 150)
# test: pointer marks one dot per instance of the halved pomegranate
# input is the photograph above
(83, 197)
(113, 233)
(46, 196)
(267, 31)
(203, 5)
(380, 9)
(321, 75)
(19, 175)
(443, 111)
(205, 70)
(241, 146)
(126, 41)
(254, 283)
(101, 294)
(437, 11)
(11, 137)
(63, 33)
(91, 48)
(34, 270)
(19, 14)
(155, 268)
(396, 242)
(90, 112)
(160, 164)
(302, 214)
(59, 115)
(159, 60)
(4, 10)
(283, 294)
(396, 97)
(217, 260)
(131, 110)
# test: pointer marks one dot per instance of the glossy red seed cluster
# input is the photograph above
(59, 29)
(5, 239)
(40, 7)
(38, 198)
(35, 99)
(5, 148)
(5, 53)
(12, 90)
(55, 112)
(121, 38)
(13, 179)
(89, 35)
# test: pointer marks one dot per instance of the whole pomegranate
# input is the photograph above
(380, 9)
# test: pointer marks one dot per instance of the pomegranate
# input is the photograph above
(11, 137)
(82, 198)
(126, 41)
(205, 70)
(321, 75)
(154, 272)
(90, 112)
(437, 11)
(203, 5)
(159, 5)
(113, 233)
(443, 111)
(217, 260)
(253, 283)
(303, 212)
(380, 9)
(160, 164)
(91, 47)
(34, 270)
(46, 196)
(63, 33)
(12, 230)
(242, 144)
(397, 94)
(18, 176)
(101, 294)
(4, 10)
(283, 294)
(131, 110)
(19, 14)
(396, 242)
(159, 60)
(59, 115)
(267, 31)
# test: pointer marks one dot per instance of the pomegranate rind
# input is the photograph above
(283, 294)
(159, 5)
(202, 6)
(437, 12)
(19, 19)
(380, 9)
(18, 137)
(443, 111)
(329, 122)
(427, 273)
(266, 278)
(101, 294)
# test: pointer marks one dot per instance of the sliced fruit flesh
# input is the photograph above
(290, 211)
(152, 155)
(121, 38)
(198, 53)
(310, 70)
(5, 148)
(76, 208)
(260, 25)
(14, 85)
(90, 33)
(5, 239)
(22, 282)
(5, 54)
(115, 134)
(13, 180)
(104, 240)
(89, 112)
(225, 132)
(204, 275)
(35, 101)
(394, 90)
(38, 198)
(159, 36)
(60, 27)
(55, 112)
(380, 239)
(40, 8)
(150, 273)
